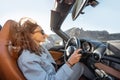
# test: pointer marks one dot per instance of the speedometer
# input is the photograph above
(86, 46)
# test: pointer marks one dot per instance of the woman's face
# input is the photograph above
(39, 35)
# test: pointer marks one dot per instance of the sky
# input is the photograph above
(105, 16)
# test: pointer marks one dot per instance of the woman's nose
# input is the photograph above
(46, 35)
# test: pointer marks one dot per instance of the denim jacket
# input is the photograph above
(35, 67)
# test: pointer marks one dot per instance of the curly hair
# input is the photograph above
(21, 35)
(27, 28)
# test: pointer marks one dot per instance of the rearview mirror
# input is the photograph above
(78, 7)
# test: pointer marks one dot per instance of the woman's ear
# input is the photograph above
(32, 36)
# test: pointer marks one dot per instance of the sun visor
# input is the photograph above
(55, 20)
(78, 7)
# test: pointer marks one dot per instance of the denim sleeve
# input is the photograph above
(64, 72)
(32, 70)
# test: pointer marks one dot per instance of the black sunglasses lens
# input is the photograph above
(42, 32)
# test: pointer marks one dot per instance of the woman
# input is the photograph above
(35, 61)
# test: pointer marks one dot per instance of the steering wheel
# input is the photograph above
(71, 45)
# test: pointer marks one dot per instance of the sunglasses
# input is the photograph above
(41, 31)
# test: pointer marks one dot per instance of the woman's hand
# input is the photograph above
(74, 58)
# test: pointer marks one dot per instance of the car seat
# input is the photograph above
(8, 67)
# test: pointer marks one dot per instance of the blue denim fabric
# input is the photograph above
(35, 67)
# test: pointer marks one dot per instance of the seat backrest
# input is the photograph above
(8, 67)
(0, 27)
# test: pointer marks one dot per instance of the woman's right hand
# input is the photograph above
(74, 58)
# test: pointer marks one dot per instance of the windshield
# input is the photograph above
(99, 22)
(103, 17)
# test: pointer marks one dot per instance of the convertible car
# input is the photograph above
(101, 58)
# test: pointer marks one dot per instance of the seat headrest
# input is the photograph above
(8, 67)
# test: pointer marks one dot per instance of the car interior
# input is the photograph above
(9, 69)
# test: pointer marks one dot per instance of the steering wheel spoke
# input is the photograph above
(71, 45)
